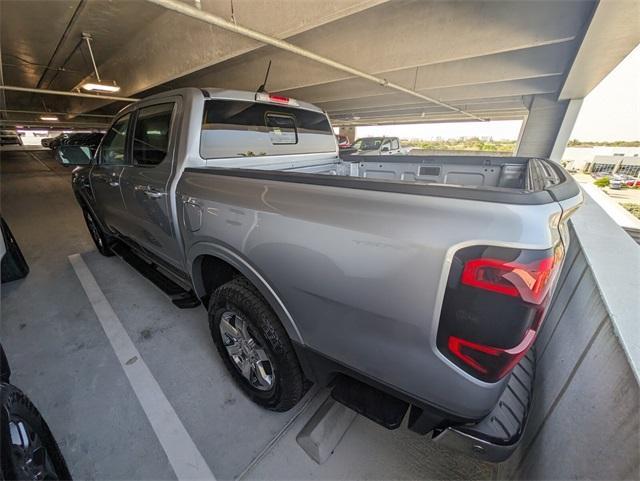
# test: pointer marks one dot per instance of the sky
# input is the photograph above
(611, 111)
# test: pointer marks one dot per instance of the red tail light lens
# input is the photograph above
(493, 306)
(491, 362)
(280, 99)
(528, 281)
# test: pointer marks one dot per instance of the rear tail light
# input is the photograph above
(493, 306)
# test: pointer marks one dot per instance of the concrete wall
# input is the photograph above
(585, 419)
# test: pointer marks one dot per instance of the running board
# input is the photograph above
(182, 298)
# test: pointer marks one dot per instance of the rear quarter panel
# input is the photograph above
(362, 272)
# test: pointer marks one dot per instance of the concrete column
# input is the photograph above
(548, 126)
(616, 167)
(566, 127)
(348, 132)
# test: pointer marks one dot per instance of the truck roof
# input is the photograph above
(221, 93)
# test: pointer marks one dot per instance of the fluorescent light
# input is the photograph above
(100, 87)
(49, 117)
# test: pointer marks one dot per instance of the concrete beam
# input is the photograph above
(394, 36)
(523, 64)
(161, 52)
(614, 31)
(455, 95)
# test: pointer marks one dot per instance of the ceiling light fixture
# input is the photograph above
(98, 86)
(51, 118)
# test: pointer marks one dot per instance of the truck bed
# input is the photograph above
(517, 180)
(508, 173)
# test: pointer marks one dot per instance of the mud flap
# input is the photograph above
(372, 403)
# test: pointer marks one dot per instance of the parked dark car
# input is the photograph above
(91, 140)
(55, 142)
(13, 264)
(28, 449)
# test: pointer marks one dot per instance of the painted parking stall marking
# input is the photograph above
(185, 458)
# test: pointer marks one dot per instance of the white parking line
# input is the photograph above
(183, 455)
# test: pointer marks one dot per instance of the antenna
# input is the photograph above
(266, 76)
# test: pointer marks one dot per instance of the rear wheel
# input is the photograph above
(254, 346)
(100, 238)
(29, 450)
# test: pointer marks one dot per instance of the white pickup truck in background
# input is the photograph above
(378, 146)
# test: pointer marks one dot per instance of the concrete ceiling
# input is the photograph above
(489, 58)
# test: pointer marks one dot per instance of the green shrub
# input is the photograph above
(602, 182)
(633, 208)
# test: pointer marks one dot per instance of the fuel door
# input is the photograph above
(192, 214)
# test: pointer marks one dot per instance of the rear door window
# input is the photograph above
(238, 128)
(151, 134)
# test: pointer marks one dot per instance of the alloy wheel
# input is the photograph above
(246, 353)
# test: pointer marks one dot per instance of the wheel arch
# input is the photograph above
(212, 265)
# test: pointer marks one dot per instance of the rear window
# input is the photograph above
(237, 128)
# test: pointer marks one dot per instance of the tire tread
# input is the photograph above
(243, 294)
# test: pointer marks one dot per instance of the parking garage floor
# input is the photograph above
(61, 357)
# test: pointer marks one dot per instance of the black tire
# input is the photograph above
(13, 265)
(20, 416)
(100, 238)
(288, 385)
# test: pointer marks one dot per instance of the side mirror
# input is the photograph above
(74, 155)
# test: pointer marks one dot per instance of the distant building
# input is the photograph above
(615, 164)
(580, 158)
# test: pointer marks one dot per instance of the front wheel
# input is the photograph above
(29, 450)
(100, 238)
(254, 346)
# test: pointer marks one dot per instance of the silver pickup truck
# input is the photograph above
(407, 284)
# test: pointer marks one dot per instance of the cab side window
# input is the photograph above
(114, 146)
(151, 134)
(394, 144)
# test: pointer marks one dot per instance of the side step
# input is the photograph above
(372, 403)
(182, 298)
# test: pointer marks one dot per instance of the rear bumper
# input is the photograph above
(497, 436)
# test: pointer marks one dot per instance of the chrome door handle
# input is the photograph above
(114, 183)
(154, 194)
(149, 191)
